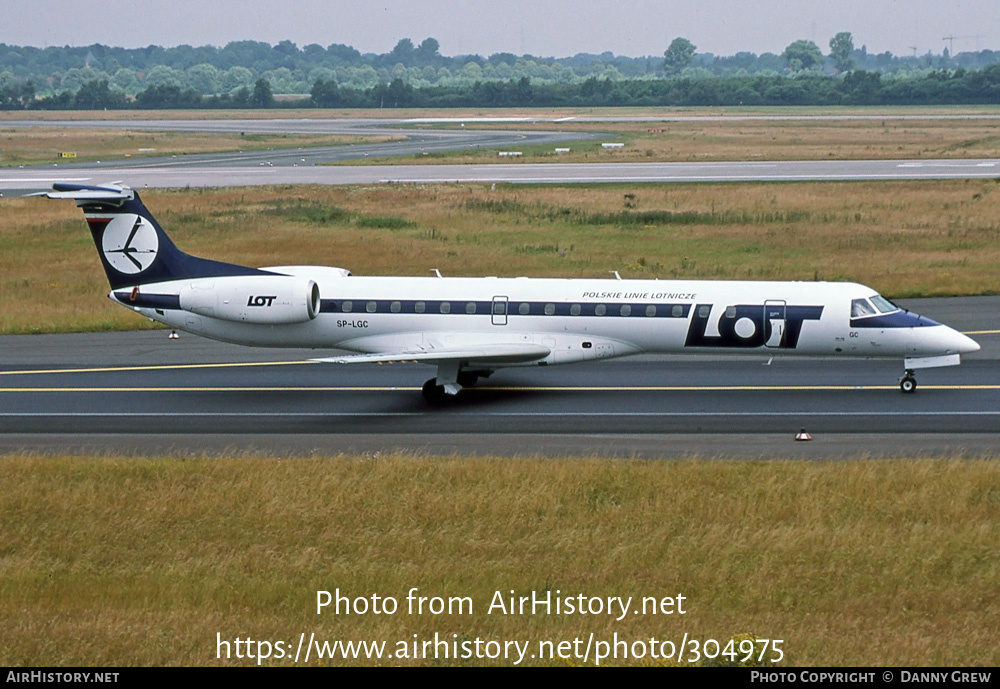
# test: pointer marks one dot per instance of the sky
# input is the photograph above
(547, 28)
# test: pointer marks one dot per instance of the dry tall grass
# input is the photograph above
(930, 238)
(107, 561)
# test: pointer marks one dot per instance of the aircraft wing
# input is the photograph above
(512, 353)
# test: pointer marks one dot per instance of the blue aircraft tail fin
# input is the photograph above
(134, 249)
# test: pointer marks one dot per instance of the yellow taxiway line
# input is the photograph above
(162, 367)
(520, 388)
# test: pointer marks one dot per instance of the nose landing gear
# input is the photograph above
(908, 383)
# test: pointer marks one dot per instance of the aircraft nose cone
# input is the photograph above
(965, 344)
(962, 344)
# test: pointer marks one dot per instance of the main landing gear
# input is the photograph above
(908, 383)
(434, 393)
(439, 391)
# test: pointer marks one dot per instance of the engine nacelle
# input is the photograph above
(263, 299)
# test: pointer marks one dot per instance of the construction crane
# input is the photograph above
(951, 41)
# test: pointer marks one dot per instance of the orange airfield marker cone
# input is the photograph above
(802, 435)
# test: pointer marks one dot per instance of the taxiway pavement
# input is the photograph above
(142, 393)
(220, 173)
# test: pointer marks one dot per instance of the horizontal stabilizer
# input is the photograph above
(83, 192)
(495, 354)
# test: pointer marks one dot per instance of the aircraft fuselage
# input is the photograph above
(468, 327)
(576, 319)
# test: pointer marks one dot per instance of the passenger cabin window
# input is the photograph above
(346, 307)
(470, 307)
(395, 307)
(651, 310)
(600, 310)
(677, 311)
(574, 310)
(550, 309)
(419, 307)
(625, 310)
(371, 306)
(861, 308)
(524, 308)
(445, 307)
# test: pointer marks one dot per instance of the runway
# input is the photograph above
(142, 393)
(208, 174)
(305, 165)
(317, 165)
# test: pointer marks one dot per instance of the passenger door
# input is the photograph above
(774, 316)
(499, 311)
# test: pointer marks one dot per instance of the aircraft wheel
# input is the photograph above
(434, 393)
(467, 379)
(908, 384)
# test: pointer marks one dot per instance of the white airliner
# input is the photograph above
(469, 327)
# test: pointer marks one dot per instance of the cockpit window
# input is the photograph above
(861, 307)
(883, 304)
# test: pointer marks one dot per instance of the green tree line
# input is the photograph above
(247, 74)
(856, 87)
(853, 88)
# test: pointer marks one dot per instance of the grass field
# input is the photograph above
(889, 133)
(904, 239)
(702, 139)
(117, 561)
(39, 145)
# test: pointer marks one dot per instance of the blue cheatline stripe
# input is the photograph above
(169, 302)
(508, 308)
(455, 308)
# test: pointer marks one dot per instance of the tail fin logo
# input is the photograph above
(130, 243)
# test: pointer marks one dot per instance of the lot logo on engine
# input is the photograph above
(261, 300)
(130, 243)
